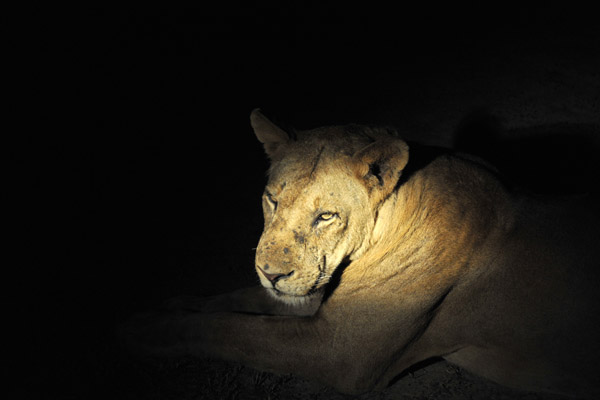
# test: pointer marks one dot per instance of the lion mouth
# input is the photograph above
(321, 279)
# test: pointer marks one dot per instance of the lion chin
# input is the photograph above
(294, 299)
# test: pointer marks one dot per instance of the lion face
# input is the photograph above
(308, 228)
(320, 203)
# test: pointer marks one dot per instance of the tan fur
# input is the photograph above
(443, 261)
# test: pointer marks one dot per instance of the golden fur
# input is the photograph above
(376, 255)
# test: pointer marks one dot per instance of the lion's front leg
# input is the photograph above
(253, 300)
(233, 336)
(304, 346)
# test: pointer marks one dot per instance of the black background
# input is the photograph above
(133, 157)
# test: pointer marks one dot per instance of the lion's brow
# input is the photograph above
(316, 161)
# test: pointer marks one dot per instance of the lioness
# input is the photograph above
(377, 254)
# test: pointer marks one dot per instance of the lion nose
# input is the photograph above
(273, 278)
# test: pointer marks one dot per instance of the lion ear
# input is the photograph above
(269, 134)
(380, 165)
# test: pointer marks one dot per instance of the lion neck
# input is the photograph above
(438, 217)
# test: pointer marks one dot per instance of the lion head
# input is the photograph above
(321, 201)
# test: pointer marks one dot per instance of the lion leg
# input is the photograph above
(252, 300)
(310, 347)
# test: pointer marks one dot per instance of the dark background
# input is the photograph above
(135, 174)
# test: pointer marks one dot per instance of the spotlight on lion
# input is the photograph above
(379, 254)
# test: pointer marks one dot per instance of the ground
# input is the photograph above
(148, 183)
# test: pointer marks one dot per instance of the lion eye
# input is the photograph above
(271, 199)
(325, 217)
